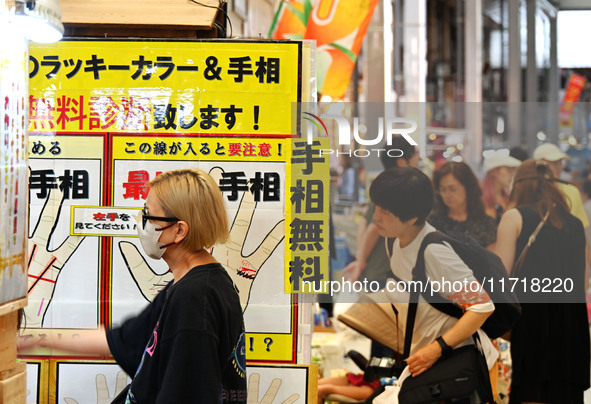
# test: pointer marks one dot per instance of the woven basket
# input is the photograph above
(377, 321)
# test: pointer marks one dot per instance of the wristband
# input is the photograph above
(445, 349)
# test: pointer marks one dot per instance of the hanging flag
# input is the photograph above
(573, 91)
(291, 19)
(338, 26)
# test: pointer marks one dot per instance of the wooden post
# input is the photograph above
(13, 380)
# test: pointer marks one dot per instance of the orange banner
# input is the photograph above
(338, 26)
(291, 19)
(573, 91)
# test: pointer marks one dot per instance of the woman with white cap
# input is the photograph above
(555, 158)
(499, 171)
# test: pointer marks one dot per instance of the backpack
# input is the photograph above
(488, 269)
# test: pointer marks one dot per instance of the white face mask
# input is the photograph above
(149, 238)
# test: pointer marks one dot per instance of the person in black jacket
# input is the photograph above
(187, 346)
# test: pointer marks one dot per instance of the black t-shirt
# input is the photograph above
(187, 346)
(482, 229)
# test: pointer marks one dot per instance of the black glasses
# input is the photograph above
(146, 217)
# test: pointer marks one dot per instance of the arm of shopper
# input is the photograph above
(353, 269)
(361, 227)
(507, 234)
(365, 246)
(370, 239)
(92, 342)
(425, 357)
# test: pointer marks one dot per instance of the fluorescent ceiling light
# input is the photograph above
(40, 20)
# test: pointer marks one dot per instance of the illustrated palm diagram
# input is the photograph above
(103, 396)
(242, 269)
(253, 391)
(102, 390)
(45, 264)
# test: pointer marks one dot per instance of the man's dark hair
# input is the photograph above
(398, 143)
(405, 192)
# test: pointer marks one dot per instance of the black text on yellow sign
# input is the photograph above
(269, 347)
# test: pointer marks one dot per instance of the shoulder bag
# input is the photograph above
(457, 374)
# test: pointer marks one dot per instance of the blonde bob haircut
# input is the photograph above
(192, 196)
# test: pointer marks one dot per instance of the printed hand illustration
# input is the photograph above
(45, 265)
(242, 269)
(149, 282)
(253, 391)
(102, 390)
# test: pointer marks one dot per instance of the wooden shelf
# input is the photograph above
(140, 18)
(13, 305)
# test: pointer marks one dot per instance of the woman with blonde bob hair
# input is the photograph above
(550, 284)
(187, 346)
(178, 191)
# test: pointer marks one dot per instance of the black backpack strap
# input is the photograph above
(410, 322)
(419, 274)
(438, 237)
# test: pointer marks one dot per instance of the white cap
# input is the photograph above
(496, 160)
(549, 152)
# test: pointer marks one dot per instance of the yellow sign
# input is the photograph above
(108, 116)
(237, 88)
(306, 221)
(198, 148)
(269, 347)
(66, 147)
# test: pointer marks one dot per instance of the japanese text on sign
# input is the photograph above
(307, 226)
(103, 221)
(223, 88)
(262, 70)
